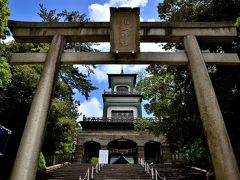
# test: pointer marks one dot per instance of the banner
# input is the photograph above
(4, 135)
(103, 157)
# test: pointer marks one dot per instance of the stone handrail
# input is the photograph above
(154, 173)
(120, 119)
(122, 93)
(158, 176)
(86, 176)
(97, 169)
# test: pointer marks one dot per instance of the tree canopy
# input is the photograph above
(17, 90)
(5, 74)
(169, 89)
(4, 13)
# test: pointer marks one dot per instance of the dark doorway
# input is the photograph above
(152, 151)
(91, 149)
(122, 151)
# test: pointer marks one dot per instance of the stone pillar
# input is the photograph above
(25, 166)
(78, 156)
(104, 147)
(141, 152)
(225, 166)
(166, 155)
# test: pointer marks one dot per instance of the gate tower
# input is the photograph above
(114, 131)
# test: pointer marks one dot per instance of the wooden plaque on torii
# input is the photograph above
(124, 30)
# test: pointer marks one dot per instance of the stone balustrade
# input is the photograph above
(122, 93)
(120, 119)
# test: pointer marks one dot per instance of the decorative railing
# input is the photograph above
(86, 177)
(95, 169)
(122, 93)
(104, 119)
(120, 119)
(154, 173)
(157, 176)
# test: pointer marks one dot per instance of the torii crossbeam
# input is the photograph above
(125, 32)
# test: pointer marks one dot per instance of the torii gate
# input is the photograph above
(125, 33)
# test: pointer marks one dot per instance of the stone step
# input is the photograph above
(122, 171)
(70, 172)
(175, 172)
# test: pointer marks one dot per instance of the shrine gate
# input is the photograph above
(125, 32)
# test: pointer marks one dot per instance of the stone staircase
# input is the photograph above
(179, 172)
(70, 172)
(122, 172)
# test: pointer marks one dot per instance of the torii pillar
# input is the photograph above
(25, 166)
(224, 162)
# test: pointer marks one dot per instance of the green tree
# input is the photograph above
(199, 10)
(142, 125)
(5, 73)
(170, 97)
(62, 126)
(169, 88)
(16, 97)
(4, 13)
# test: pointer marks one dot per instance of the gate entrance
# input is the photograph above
(125, 33)
(122, 151)
(91, 149)
(152, 152)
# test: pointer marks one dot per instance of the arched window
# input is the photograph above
(122, 89)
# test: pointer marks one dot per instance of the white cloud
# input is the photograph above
(144, 47)
(90, 108)
(151, 20)
(8, 39)
(100, 73)
(128, 3)
(151, 47)
(82, 69)
(101, 12)
(103, 46)
(136, 68)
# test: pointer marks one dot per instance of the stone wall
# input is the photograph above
(105, 137)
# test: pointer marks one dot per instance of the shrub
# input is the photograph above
(94, 160)
(41, 163)
(196, 154)
(142, 125)
(237, 24)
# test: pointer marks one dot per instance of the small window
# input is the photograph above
(122, 89)
(122, 114)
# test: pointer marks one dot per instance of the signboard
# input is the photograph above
(124, 25)
(103, 157)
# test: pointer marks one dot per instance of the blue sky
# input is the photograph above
(96, 10)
